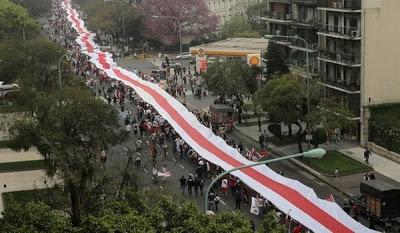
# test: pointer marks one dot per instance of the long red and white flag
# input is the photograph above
(286, 194)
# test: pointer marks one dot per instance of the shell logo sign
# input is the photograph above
(201, 52)
(254, 59)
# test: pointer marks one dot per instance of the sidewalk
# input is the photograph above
(8, 155)
(349, 185)
(18, 181)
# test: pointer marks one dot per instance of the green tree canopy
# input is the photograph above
(276, 57)
(231, 78)
(238, 26)
(13, 19)
(35, 8)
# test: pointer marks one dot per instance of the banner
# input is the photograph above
(254, 209)
(286, 194)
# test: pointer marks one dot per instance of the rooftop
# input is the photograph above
(235, 47)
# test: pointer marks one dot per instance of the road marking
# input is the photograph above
(174, 159)
(161, 187)
(182, 166)
(145, 170)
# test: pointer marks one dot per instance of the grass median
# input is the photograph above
(22, 166)
(334, 159)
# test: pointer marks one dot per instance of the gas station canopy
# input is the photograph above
(231, 47)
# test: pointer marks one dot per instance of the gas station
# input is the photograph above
(249, 50)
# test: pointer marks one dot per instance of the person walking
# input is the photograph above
(259, 125)
(224, 186)
(201, 186)
(196, 184)
(367, 153)
(211, 200)
(183, 183)
(190, 183)
(238, 199)
(217, 199)
(138, 159)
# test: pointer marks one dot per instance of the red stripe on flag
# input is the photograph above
(291, 195)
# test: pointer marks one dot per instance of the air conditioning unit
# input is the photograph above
(355, 33)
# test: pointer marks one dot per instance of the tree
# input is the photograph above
(35, 8)
(70, 129)
(238, 26)
(194, 16)
(331, 116)
(13, 18)
(270, 224)
(33, 218)
(283, 99)
(254, 13)
(230, 78)
(276, 57)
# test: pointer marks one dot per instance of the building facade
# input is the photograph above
(226, 9)
(352, 49)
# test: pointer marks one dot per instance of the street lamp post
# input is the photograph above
(315, 153)
(307, 61)
(59, 67)
(180, 34)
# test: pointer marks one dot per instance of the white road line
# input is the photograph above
(182, 166)
(223, 203)
(145, 170)
(161, 187)
(174, 159)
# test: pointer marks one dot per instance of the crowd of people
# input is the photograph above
(153, 135)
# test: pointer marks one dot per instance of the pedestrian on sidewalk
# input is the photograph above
(238, 199)
(336, 172)
(201, 186)
(259, 125)
(138, 159)
(196, 184)
(224, 186)
(190, 183)
(183, 183)
(367, 153)
(217, 199)
(211, 200)
(371, 176)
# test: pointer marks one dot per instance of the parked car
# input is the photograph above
(8, 91)
(184, 56)
(173, 64)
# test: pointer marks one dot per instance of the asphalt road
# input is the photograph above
(178, 167)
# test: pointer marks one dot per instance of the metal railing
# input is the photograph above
(347, 84)
(344, 31)
(352, 58)
(277, 15)
(341, 4)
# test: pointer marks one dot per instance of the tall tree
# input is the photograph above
(13, 19)
(276, 57)
(70, 129)
(238, 26)
(229, 78)
(35, 8)
(194, 16)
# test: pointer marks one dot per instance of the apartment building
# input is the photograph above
(226, 9)
(352, 48)
(294, 17)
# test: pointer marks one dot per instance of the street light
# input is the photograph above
(268, 36)
(180, 33)
(123, 21)
(315, 153)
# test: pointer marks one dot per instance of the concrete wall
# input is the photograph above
(381, 52)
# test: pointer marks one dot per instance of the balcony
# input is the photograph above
(277, 17)
(347, 59)
(299, 45)
(306, 2)
(346, 86)
(312, 23)
(351, 33)
(340, 5)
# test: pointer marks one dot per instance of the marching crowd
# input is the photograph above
(154, 135)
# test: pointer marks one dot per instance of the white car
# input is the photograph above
(184, 56)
